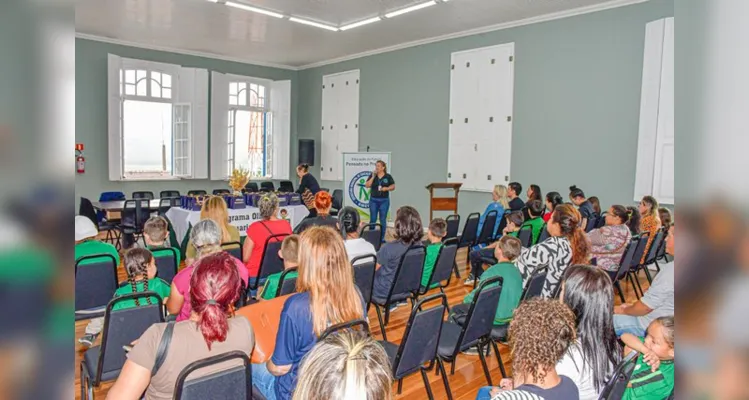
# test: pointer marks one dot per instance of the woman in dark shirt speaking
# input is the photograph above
(381, 184)
(307, 183)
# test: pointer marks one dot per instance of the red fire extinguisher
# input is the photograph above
(80, 161)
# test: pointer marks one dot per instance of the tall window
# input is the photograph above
(249, 138)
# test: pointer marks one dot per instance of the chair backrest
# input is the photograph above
(626, 261)
(135, 213)
(525, 234)
(601, 221)
(86, 208)
(535, 286)
(592, 222)
(443, 266)
(169, 193)
(422, 336)
(165, 203)
(487, 230)
(453, 225)
(615, 386)
(655, 247)
(123, 326)
(468, 237)
(372, 233)
(197, 192)
(543, 235)
(344, 326)
(95, 281)
(502, 222)
(337, 199)
(286, 186)
(641, 245)
(407, 278)
(251, 187)
(286, 284)
(166, 263)
(231, 383)
(144, 194)
(480, 318)
(271, 262)
(221, 192)
(233, 248)
(364, 275)
(267, 185)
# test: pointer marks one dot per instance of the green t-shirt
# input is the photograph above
(271, 284)
(154, 285)
(433, 250)
(160, 251)
(38, 265)
(647, 385)
(92, 247)
(513, 234)
(512, 290)
(536, 224)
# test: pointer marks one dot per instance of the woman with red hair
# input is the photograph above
(211, 330)
(323, 202)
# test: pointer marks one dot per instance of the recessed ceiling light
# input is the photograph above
(253, 9)
(313, 23)
(360, 23)
(409, 9)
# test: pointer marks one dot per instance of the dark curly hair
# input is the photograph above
(540, 333)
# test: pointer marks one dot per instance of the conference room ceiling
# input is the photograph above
(201, 26)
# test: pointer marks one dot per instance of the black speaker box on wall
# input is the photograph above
(307, 151)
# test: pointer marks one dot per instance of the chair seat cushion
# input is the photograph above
(449, 339)
(90, 365)
(393, 299)
(499, 332)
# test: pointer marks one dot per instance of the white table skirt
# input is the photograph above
(181, 218)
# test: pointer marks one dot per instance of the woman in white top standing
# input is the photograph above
(589, 362)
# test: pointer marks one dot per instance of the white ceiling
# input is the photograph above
(202, 27)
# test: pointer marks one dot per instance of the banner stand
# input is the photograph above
(357, 167)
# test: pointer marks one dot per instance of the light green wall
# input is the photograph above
(576, 105)
(91, 112)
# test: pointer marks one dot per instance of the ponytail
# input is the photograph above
(214, 324)
(214, 287)
(580, 247)
(569, 219)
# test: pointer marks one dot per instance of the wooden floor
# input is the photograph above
(469, 375)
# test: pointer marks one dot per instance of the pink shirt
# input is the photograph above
(182, 283)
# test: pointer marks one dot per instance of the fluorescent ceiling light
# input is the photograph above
(312, 23)
(409, 9)
(360, 23)
(253, 9)
(213, 1)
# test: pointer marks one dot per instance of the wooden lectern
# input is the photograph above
(443, 203)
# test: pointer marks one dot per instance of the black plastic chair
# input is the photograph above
(231, 383)
(286, 284)
(601, 221)
(233, 248)
(221, 192)
(652, 254)
(165, 203)
(632, 273)
(169, 193)
(267, 186)
(406, 283)
(133, 217)
(443, 266)
(592, 222)
(525, 234)
(95, 284)
(86, 208)
(333, 329)
(487, 230)
(286, 187)
(535, 285)
(624, 264)
(372, 233)
(502, 224)
(143, 195)
(364, 276)
(337, 203)
(468, 237)
(251, 187)
(197, 192)
(453, 225)
(477, 328)
(543, 235)
(617, 384)
(166, 263)
(271, 262)
(104, 363)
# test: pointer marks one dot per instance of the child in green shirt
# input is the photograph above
(435, 234)
(289, 253)
(141, 271)
(156, 233)
(514, 222)
(653, 377)
(86, 243)
(536, 223)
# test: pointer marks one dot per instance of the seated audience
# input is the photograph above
(140, 266)
(577, 197)
(486, 255)
(596, 204)
(591, 359)
(506, 251)
(156, 235)
(355, 246)
(650, 223)
(608, 243)
(634, 220)
(435, 234)
(259, 232)
(540, 333)
(513, 193)
(408, 231)
(206, 237)
(327, 296)
(289, 253)
(323, 203)
(665, 215)
(535, 208)
(345, 366)
(553, 199)
(214, 208)
(654, 373)
(566, 245)
(658, 300)
(86, 243)
(210, 330)
(499, 204)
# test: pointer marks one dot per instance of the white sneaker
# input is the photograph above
(470, 281)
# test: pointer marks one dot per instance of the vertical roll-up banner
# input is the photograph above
(357, 167)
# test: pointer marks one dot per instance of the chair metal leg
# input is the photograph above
(619, 289)
(499, 360)
(382, 326)
(483, 364)
(387, 313)
(427, 386)
(647, 275)
(637, 281)
(452, 365)
(83, 379)
(400, 383)
(632, 282)
(658, 267)
(445, 381)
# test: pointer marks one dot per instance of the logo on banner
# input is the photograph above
(358, 191)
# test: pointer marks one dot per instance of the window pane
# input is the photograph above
(233, 89)
(166, 81)
(253, 97)
(156, 76)
(130, 76)
(155, 88)
(166, 93)
(233, 100)
(241, 86)
(141, 74)
(141, 88)
(147, 139)
(130, 89)
(261, 91)
(243, 98)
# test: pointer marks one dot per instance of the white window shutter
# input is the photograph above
(114, 116)
(219, 126)
(280, 105)
(193, 90)
(181, 146)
